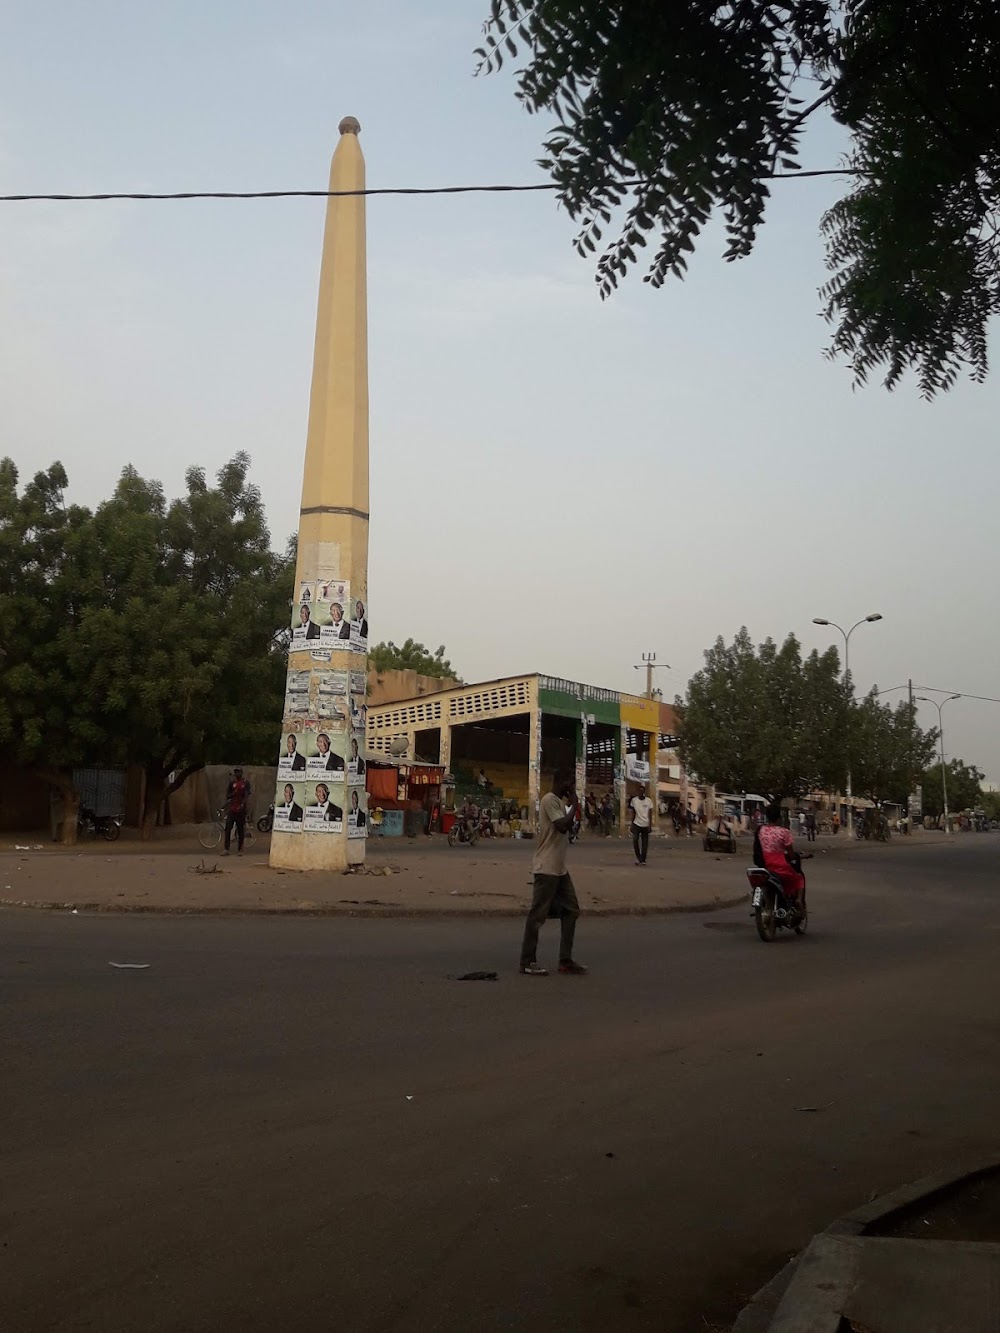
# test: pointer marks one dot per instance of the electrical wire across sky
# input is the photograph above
(340, 194)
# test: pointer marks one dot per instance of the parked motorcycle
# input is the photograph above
(773, 910)
(461, 832)
(89, 825)
(266, 822)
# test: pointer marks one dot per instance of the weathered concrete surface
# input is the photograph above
(892, 1286)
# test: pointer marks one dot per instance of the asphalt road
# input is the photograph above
(305, 1124)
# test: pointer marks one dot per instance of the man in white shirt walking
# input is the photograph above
(642, 810)
(554, 894)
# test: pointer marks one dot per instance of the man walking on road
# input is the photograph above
(237, 796)
(554, 894)
(641, 807)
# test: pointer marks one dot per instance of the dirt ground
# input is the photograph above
(173, 872)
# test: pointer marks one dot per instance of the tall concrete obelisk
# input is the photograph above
(320, 805)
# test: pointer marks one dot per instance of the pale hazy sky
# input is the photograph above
(557, 484)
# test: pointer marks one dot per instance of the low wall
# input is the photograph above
(197, 800)
(24, 800)
(388, 687)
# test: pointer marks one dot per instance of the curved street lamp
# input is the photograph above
(944, 781)
(865, 620)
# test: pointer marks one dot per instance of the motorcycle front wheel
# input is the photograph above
(765, 918)
(453, 836)
(803, 922)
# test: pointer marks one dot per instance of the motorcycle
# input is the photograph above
(461, 832)
(486, 829)
(266, 822)
(876, 827)
(773, 910)
(89, 825)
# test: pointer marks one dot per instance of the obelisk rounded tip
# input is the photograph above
(349, 125)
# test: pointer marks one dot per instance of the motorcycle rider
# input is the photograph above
(469, 814)
(774, 850)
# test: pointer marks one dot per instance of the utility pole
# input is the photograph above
(650, 664)
(909, 780)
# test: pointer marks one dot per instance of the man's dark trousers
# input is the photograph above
(640, 841)
(554, 895)
(240, 820)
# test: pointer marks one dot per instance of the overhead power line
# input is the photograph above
(337, 194)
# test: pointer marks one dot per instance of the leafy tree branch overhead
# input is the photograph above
(667, 114)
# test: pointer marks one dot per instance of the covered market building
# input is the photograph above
(512, 734)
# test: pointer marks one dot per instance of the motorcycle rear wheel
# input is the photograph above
(803, 924)
(111, 829)
(473, 837)
(264, 823)
(765, 917)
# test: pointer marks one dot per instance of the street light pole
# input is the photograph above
(865, 620)
(944, 780)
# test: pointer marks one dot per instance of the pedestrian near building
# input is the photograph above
(237, 799)
(553, 894)
(641, 807)
(811, 825)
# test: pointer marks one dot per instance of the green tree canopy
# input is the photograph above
(411, 656)
(145, 632)
(964, 791)
(763, 720)
(669, 114)
(50, 718)
(887, 749)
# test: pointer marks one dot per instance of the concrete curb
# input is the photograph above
(757, 1315)
(362, 909)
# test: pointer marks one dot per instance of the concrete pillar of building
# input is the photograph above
(623, 790)
(534, 766)
(654, 778)
(444, 747)
(581, 759)
(328, 657)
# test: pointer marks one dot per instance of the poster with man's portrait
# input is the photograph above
(289, 806)
(359, 626)
(305, 624)
(355, 760)
(335, 621)
(357, 813)
(324, 807)
(297, 744)
(330, 756)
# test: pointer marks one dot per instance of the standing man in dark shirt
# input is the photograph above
(237, 799)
